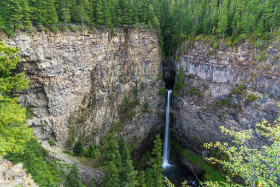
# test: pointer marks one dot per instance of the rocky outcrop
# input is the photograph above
(236, 87)
(81, 79)
(14, 175)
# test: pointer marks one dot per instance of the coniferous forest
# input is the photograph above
(173, 20)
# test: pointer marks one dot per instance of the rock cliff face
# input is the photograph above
(224, 86)
(81, 79)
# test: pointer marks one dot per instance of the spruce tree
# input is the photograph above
(37, 12)
(25, 14)
(49, 12)
(141, 179)
(106, 13)
(16, 17)
(155, 164)
(73, 179)
(222, 26)
(78, 149)
(98, 19)
(127, 172)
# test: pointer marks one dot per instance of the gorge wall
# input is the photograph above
(81, 79)
(236, 87)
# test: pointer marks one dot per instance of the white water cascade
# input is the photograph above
(166, 134)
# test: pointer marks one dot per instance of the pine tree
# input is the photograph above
(78, 149)
(106, 14)
(16, 17)
(127, 172)
(98, 19)
(37, 12)
(49, 12)
(141, 179)
(14, 132)
(222, 26)
(128, 15)
(112, 175)
(91, 152)
(1, 23)
(111, 159)
(25, 14)
(73, 178)
(155, 163)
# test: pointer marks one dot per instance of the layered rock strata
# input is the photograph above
(236, 87)
(81, 79)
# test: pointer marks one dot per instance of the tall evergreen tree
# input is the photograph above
(127, 172)
(25, 14)
(73, 178)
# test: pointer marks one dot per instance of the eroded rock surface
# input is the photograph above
(14, 175)
(86, 75)
(236, 87)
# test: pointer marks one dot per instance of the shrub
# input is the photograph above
(179, 80)
(72, 136)
(239, 89)
(51, 143)
(82, 119)
(252, 97)
(146, 105)
(29, 113)
(74, 28)
(162, 90)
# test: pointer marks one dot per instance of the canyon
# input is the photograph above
(82, 81)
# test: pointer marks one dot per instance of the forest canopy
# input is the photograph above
(174, 20)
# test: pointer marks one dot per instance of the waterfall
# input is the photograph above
(166, 134)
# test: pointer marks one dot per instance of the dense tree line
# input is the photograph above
(22, 14)
(231, 18)
(173, 19)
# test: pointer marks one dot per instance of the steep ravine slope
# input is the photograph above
(81, 79)
(235, 87)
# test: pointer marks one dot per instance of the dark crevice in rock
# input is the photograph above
(169, 73)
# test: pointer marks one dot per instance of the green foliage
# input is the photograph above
(146, 105)
(29, 113)
(194, 91)
(14, 132)
(78, 149)
(72, 134)
(136, 90)
(51, 143)
(90, 152)
(179, 83)
(127, 173)
(117, 162)
(81, 119)
(256, 167)
(44, 171)
(73, 178)
(252, 97)
(154, 171)
(162, 90)
(210, 174)
(238, 90)
(222, 103)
